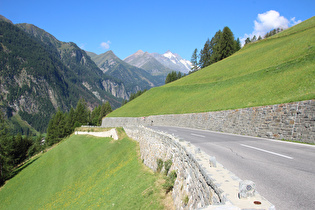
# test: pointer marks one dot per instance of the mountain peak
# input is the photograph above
(159, 64)
(139, 53)
(5, 19)
(169, 54)
(110, 52)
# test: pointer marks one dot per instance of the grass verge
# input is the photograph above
(84, 172)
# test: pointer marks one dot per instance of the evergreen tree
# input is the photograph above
(20, 146)
(194, 61)
(227, 46)
(5, 166)
(95, 115)
(105, 109)
(173, 76)
(81, 113)
(70, 120)
(205, 53)
(215, 50)
(237, 44)
(56, 128)
(50, 137)
(179, 75)
(247, 40)
(60, 125)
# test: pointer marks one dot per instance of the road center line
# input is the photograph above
(197, 135)
(274, 153)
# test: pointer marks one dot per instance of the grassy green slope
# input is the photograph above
(83, 173)
(279, 69)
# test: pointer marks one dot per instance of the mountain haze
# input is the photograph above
(173, 61)
(131, 77)
(157, 64)
(147, 62)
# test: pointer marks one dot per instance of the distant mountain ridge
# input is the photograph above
(173, 61)
(132, 77)
(159, 64)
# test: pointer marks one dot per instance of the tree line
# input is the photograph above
(172, 76)
(221, 46)
(15, 149)
(63, 124)
(268, 34)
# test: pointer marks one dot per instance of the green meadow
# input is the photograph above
(84, 172)
(279, 69)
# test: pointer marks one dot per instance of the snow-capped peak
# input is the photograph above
(169, 55)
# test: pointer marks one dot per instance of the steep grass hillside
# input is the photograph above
(84, 172)
(275, 70)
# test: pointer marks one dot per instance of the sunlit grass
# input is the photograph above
(84, 172)
(279, 69)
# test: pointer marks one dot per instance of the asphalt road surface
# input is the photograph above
(284, 172)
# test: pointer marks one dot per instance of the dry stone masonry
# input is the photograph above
(290, 121)
(201, 182)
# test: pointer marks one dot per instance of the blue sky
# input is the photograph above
(125, 26)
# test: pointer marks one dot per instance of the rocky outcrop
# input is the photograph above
(116, 89)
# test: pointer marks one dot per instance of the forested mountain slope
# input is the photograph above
(38, 74)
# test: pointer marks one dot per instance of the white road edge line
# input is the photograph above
(274, 153)
(197, 135)
(254, 137)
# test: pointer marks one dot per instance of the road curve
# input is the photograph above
(284, 172)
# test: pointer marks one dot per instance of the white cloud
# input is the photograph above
(293, 22)
(268, 21)
(105, 45)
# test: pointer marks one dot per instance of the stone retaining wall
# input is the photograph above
(290, 121)
(191, 181)
(201, 181)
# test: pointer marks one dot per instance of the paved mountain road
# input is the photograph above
(284, 172)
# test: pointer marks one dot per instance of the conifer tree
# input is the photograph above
(105, 109)
(237, 44)
(227, 46)
(60, 125)
(194, 61)
(95, 115)
(5, 166)
(70, 120)
(215, 50)
(247, 40)
(56, 128)
(81, 113)
(204, 57)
